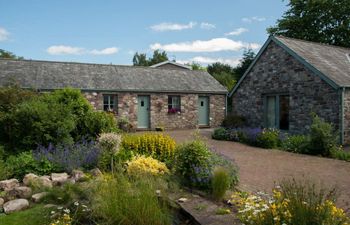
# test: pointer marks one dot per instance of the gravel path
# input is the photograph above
(260, 169)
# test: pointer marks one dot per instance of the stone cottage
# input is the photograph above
(290, 79)
(147, 97)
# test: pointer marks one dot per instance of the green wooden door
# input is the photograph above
(203, 111)
(143, 111)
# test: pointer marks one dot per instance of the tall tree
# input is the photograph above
(223, 73)
(196, 66)
(8, 55)
(140, 59)
(325, 21)
(247, 59)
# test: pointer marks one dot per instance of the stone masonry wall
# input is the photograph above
(159, 116)
(347, 116)
(278, 72)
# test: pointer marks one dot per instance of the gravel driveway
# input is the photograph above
(259, 169)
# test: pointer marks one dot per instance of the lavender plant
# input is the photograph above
(82, 154)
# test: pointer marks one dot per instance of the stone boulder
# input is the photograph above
(45, 181)
(78, 175)
(19, 192)
(2, 201)
(29, 178)
(7, 185)
(37, 197)
(59, 178)
(96, 172)
(16, 205)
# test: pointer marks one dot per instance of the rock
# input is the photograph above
(45, 181)
(182, 200)
(78, 175)
(2, 201)
(71, 181)
(29, 178)
(37, 197)
(15, 205)
(96, 172)
(59, 178)
(7, 185)
(158, 192)
(19, 192)
(49, 206)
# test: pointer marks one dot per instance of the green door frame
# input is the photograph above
(148, 110)
(277, 109)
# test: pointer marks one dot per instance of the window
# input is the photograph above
(174, 104)
(277, 111)
(110, 103)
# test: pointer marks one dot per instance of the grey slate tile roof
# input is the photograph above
(332, 61)
(48, 75)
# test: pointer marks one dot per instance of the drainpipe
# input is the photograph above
(342, 115)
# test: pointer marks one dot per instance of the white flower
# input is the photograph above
(66, 211)
(59, 207)
(76, 203)
(52, 212)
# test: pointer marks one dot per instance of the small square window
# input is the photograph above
(174, 104)
(110, 103)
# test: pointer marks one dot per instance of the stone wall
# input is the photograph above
(278, 72)
(347, 116)
(159, 116)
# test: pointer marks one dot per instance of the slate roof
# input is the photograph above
(332, 61)
(47, 75)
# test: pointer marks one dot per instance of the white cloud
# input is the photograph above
(209, 60)
(69, 50)
(64, 50)
(237, 32)
(105, 51)
(253, 19)
(4, 34)
(213, 45)
(207, 26)
(173, 26)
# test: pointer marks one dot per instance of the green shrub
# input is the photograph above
(217, 160)
(19, 165)
(220, 182)
(193, 164)
(322, 137)
(296, 144)
(220, 134)
(146, 166)
(268, 138)
(159, 146)
(119, 159)
(234, 121)
(337, 152)
(12, 95)
(60, 117)
(118, 200)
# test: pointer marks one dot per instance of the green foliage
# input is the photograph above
(218, 68)
(196, 66)
(322, 21)
(337, 152)
(296, 144)
(268, 138)
(63, 116)
(225, 79)
(159, 146)
(193, 164)
(37, 215)
(8, 55)
(140, 59)
(322, 137)
(20, 165)
(12, 95)
(234, 121)
(65, 195)
(220, 182)
(247, 59)
(220, 134)
(217, 160)
(118, 200)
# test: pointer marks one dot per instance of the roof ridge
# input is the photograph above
(313, 42)
(96, 64)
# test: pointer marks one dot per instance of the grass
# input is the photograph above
(119, 200)
(38, 215)
(222, 211)
(220, 183)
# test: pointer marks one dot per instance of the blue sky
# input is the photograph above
(112, 31)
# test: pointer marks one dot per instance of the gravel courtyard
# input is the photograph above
(259, 169)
